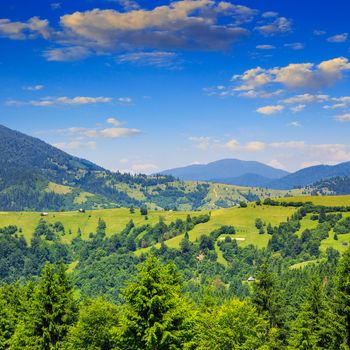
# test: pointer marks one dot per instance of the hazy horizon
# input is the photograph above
(138, 87)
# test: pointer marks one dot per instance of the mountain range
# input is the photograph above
(256, 174)
(35, 176)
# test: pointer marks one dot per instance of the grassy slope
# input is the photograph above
(219, 195)
(321, 200)
(116, 219)
(243, 219)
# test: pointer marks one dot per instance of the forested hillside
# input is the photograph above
(35, 176)
(339, 185)
(137, 288)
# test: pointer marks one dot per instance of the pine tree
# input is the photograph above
(157, 316)
(92, 330)
(266, 297)
(313, 328)
(342, 297)
(50, 312)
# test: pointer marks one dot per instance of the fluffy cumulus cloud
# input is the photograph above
(187, 24)
(294, 75)
(30, 29)
(268, 110)
(209, 25)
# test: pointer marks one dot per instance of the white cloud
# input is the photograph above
(69, 53)
(289, 145)
(75, 144)
(111, 132)
(343, 118)
(33, 87)
(183, 24)
(319, 32)
(127, 4)
(339, 38)
(83, 100)
(280, 25)
(202, 142)
(30, 29)
(160, 59)
(295, 124)
(51, 101)
(255, 146)
(114, 122)
(206, 143)
(231, 145)
(295, 75)
(306, 98)
(261, 93)
(55, 5)
(341, 102)
(125, 100)
(297, 108)
(294, 46)
(144, 168)
(268, 110)
(266, 47)
(269, 14)
(320, 153)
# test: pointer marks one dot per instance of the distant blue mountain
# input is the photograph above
(229, 171)
(256, 174)
(310, 175)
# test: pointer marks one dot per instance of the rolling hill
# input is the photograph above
(35, 176)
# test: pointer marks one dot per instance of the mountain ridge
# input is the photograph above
(282, 181)
(35, 176)
(224, 169)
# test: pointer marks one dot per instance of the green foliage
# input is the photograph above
(157, 316)
(93, 328)
(234, 325)
(49, 312)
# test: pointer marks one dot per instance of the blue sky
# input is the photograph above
(142, 86)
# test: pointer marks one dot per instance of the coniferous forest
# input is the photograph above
(99, 294)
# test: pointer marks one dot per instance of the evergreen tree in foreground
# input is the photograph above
(50, 312)
(157, 316)
(342, 298)
(314, 327)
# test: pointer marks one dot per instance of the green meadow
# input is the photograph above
(243, 219)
